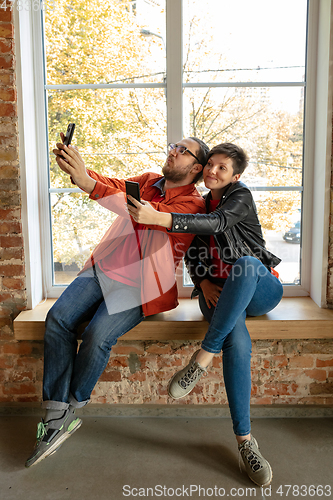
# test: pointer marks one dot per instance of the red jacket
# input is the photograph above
(161, 251)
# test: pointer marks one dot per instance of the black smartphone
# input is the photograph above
(133, 189)
(69, 134)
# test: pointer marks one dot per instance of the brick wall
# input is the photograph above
(283, 372)
(12, 281)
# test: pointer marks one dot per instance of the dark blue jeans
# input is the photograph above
(112, 309)
(249, 290)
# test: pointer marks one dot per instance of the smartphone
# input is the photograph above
(68, 137)
(133, 189)
(69, 134)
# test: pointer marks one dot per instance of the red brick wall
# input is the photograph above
(283, 372)
(12, 279)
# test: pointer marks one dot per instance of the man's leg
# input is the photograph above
(85, 367)
(98, 338)
(78, 303)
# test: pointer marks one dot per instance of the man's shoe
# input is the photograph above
(51, 435)
(185, 380)
(257, 467)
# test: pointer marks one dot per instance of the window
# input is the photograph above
(105, 70)
(237, 72)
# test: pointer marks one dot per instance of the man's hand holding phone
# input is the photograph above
(70, 162)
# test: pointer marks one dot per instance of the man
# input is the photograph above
(129, 275)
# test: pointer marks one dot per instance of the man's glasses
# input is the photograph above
(181, 150)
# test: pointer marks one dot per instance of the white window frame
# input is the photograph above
(32, 124)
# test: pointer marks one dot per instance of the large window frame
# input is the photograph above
(32, 123)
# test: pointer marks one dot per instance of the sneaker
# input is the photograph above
(185, 380)
(257, 468)
(51, 435)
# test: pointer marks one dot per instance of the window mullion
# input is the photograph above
(174, 63)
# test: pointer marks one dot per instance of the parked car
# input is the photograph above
(293, 235)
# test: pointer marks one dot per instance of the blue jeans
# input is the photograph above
(71, 375)
(250, 290)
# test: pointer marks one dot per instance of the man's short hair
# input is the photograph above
(238, 156)
(202, 156)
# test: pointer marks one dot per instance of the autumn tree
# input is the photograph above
(89, 42)
(122, 132)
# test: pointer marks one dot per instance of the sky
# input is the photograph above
(247, 34)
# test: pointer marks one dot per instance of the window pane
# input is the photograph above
(120, 132)
(105, 42)
(266, 122)
(78, 225)
(280, 218)
(244, 40)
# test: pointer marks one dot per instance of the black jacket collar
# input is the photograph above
(233, 186)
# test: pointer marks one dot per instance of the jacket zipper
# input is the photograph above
(231, 245)
(249, 249)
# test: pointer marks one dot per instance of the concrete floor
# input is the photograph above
(107, 453)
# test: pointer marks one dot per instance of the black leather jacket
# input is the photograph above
(236, 229)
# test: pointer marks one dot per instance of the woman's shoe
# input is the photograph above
(185, 380)
(257, 467)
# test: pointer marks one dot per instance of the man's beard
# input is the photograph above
(174, 176)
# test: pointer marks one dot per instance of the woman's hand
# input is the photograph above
(211, 292)
(144, 213)
(70, 161)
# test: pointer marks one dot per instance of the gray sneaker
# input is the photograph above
(257, 467)
(52, 434)
(185, 380)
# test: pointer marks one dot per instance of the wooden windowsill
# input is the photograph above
(293, 318)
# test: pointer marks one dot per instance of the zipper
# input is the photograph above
(204, 260)
(231, 245)
(202, 241)
(249, 249)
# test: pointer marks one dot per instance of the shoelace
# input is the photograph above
(41, 431)
(191, 375)
(251, 458)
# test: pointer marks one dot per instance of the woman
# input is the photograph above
(233, 274)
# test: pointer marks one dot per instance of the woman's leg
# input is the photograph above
(249, 284)
(236, 349)
(250, 287)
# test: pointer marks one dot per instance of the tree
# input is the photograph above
(97, 42)
(122, 132)
(247, 116)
